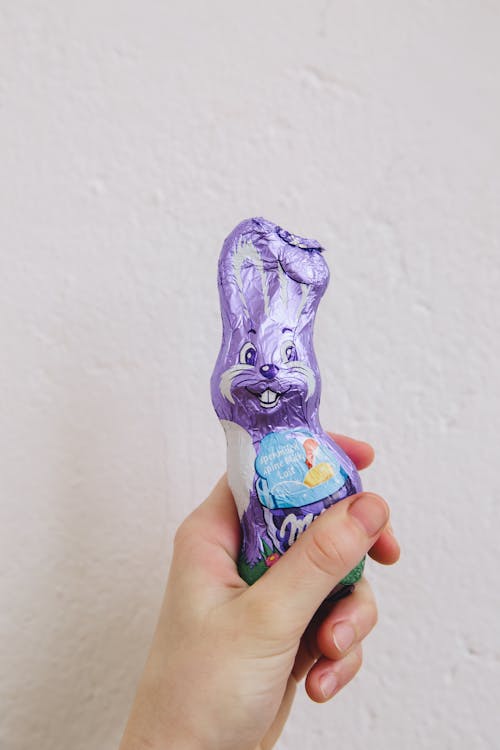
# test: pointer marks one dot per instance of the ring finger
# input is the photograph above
(333, 624)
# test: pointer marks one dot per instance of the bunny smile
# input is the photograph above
(268, 398)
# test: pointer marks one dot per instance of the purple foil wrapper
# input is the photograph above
(283, 469)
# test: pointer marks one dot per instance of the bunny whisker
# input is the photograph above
(305, 370)
(227, 377)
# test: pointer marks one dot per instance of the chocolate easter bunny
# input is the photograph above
(283, 469)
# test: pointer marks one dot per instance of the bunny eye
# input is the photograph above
(248, 354)
(289, 352)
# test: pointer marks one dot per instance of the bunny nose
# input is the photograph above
(269, 371)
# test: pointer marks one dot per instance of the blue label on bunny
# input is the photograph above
(294, 470)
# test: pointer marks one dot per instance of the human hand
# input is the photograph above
(226, 658)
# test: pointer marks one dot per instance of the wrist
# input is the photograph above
(149, 728)
(167, 741)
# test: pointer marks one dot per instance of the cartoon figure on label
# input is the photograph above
(283, 469)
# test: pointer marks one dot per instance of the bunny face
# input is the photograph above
(270, 284)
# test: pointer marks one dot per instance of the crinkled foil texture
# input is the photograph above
(284, 470)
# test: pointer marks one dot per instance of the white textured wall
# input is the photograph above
(133, 137)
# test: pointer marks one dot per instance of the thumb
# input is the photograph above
(291, 590)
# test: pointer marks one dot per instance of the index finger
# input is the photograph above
(361, 453)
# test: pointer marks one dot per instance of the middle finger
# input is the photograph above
(350, 620)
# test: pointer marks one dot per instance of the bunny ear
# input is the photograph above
(253, 260)
(306, 267)
(302, 260)
(238, 260)
(310, 276)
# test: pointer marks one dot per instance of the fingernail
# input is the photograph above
(328, 684)
(343, 635)
(370, 511)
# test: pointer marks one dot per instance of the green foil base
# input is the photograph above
(252, 573)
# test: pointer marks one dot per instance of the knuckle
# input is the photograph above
(324, 552)
(366, 622)
(183, 537)
(352, 662)
(180, 535)
(369, 608)
(357, 659)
